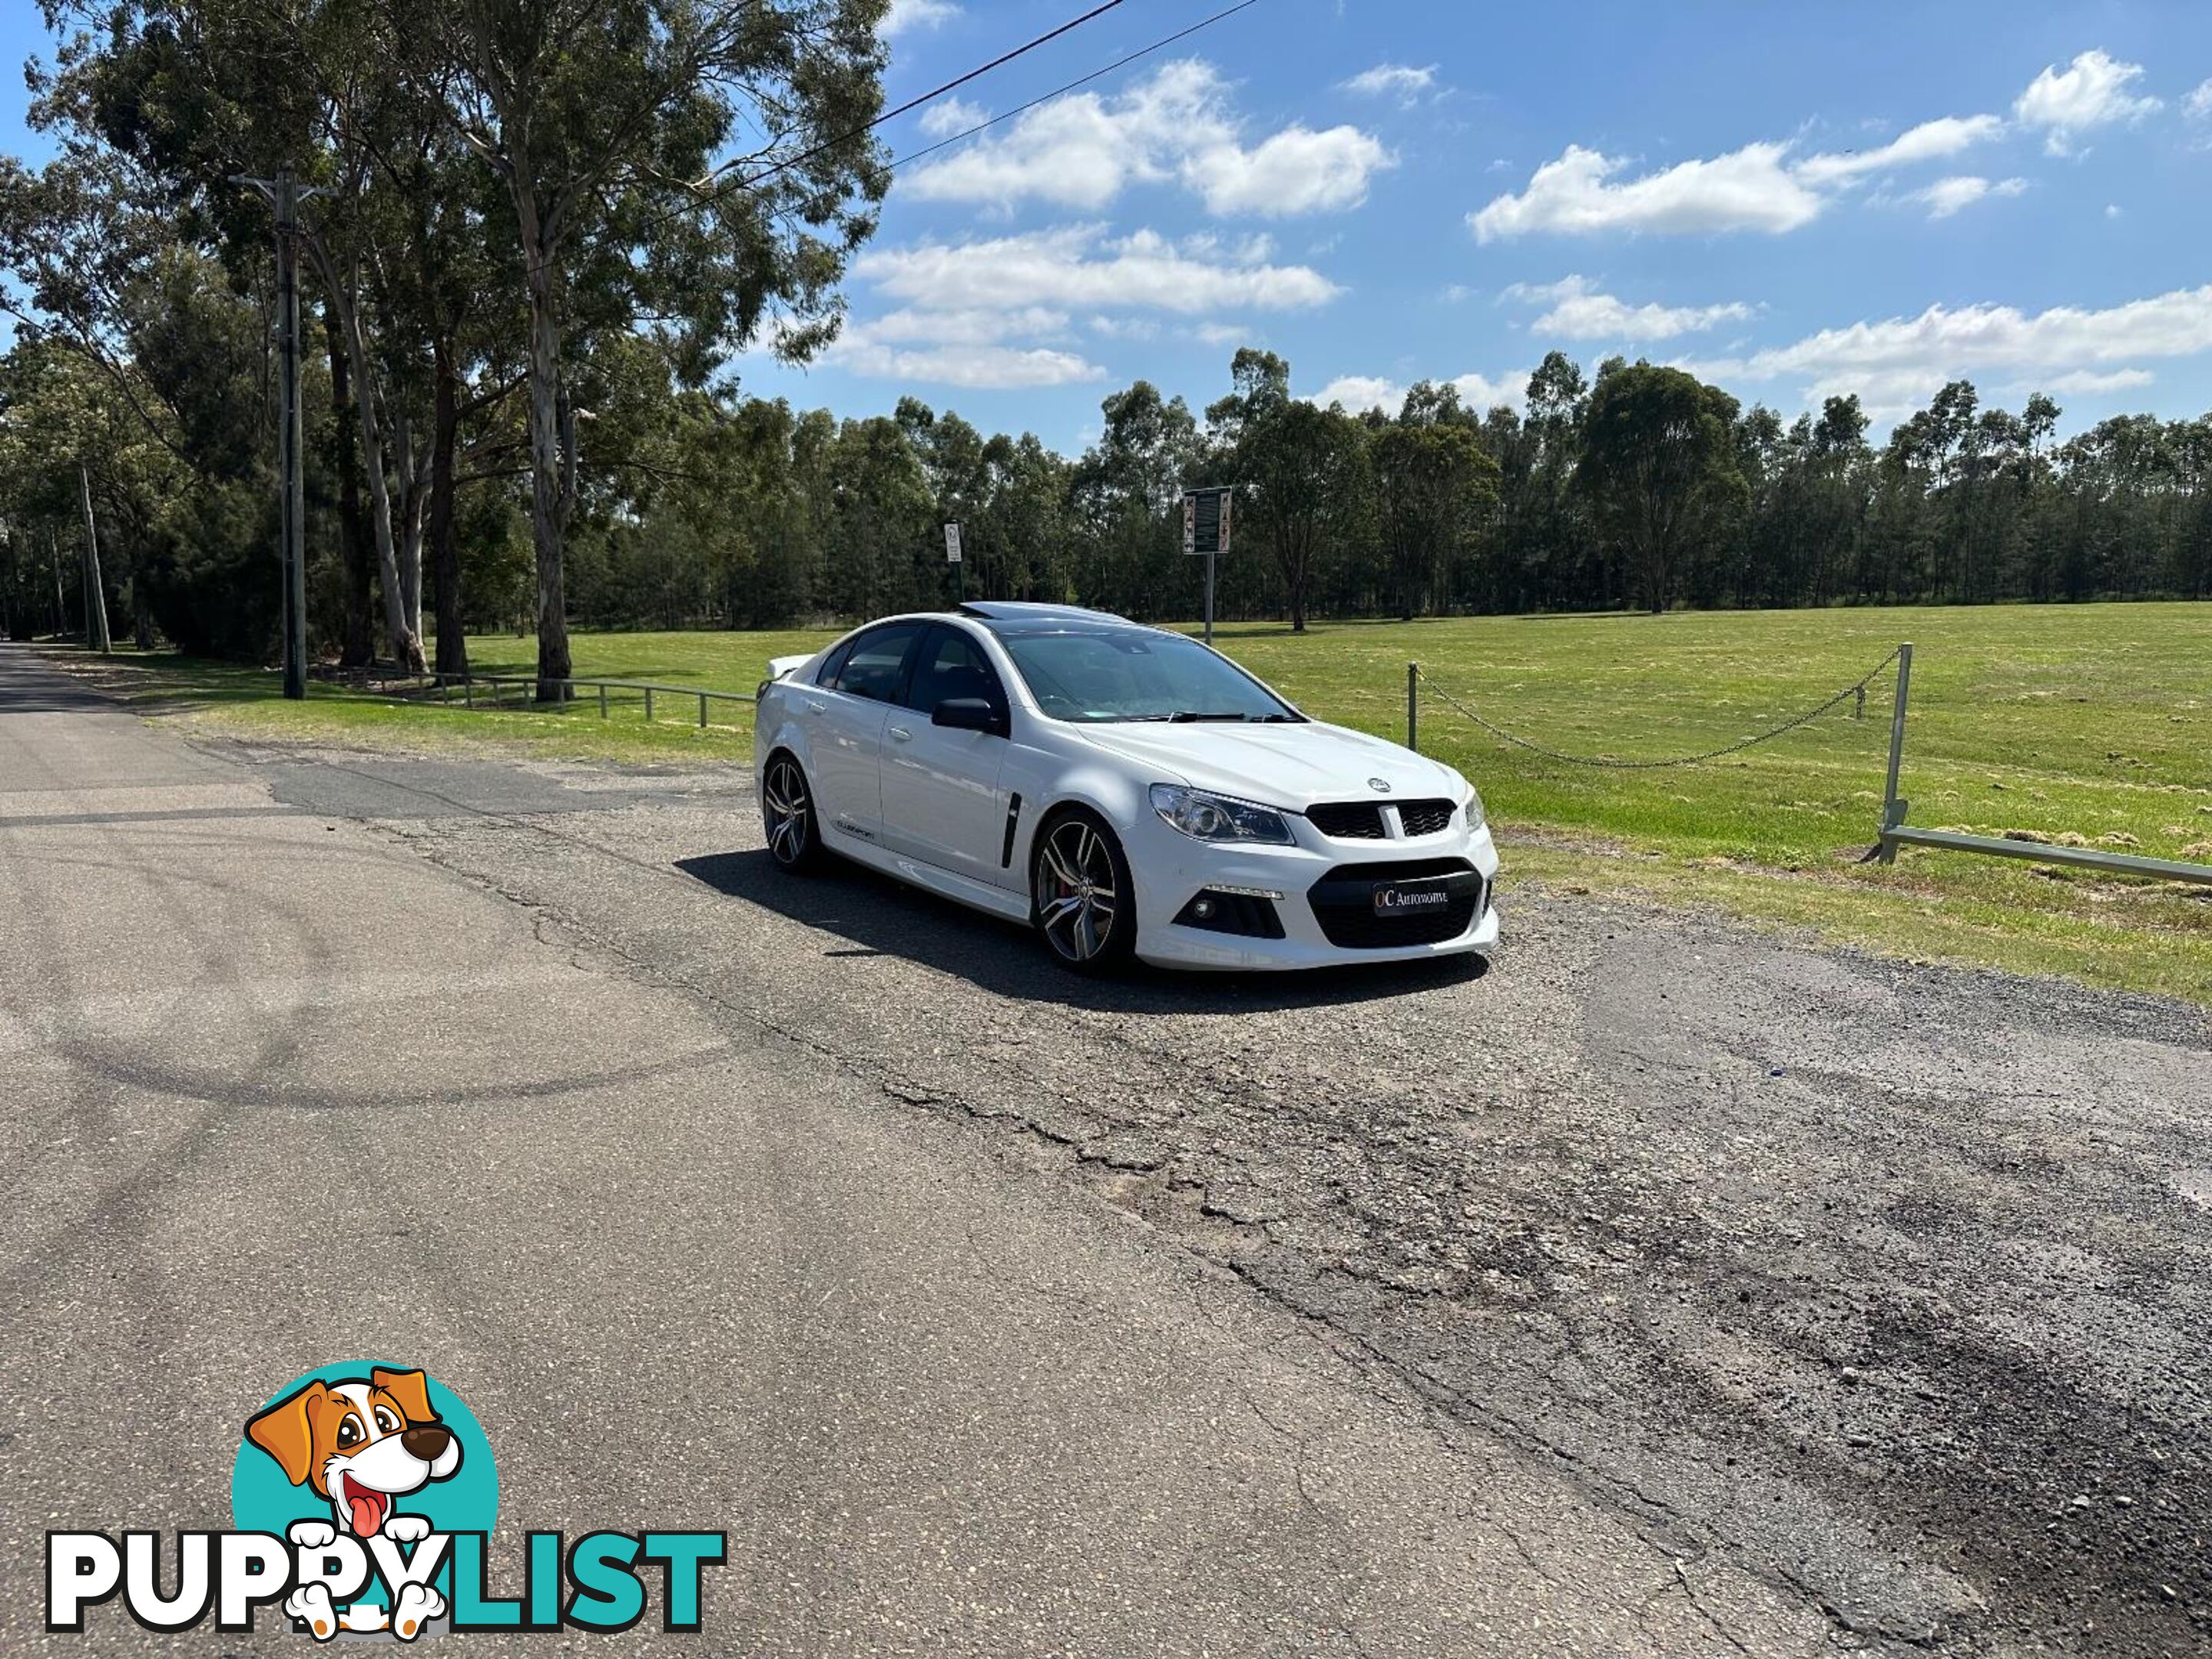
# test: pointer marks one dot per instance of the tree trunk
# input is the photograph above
(552, 461)
(95, 593)
(406, 647)
(445, 546)
(407, 518)
(357, 639)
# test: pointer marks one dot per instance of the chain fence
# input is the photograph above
(1857, 689)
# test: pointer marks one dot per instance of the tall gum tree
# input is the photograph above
(696, 169)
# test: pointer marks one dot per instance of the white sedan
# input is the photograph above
(1124, 790)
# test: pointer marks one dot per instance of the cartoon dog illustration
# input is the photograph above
(363, 1443)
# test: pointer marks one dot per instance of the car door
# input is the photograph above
(848, 709)
(940, 784)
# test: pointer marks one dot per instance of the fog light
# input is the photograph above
(1202, 909)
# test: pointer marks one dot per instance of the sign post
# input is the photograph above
(952, 558)
(1205, 530)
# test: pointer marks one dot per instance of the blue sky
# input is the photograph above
(1793, 200)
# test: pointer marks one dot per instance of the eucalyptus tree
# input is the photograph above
(1303, 474)
(696, 169)
(1659, 464)
(1434, 484)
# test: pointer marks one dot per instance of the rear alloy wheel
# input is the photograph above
(788, 815)
(1082, 897)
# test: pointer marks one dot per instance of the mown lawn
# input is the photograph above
(2091, 722)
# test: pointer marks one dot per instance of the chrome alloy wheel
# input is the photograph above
(1077, 902)
(788, 809)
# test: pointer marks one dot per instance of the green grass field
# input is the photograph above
(2091, 722)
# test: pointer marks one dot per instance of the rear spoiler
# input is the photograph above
(779, 667)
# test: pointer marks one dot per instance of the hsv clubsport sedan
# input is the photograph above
(1126, 791)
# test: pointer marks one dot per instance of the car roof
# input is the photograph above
(1014, 610)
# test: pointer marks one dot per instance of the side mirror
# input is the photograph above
(966, 715)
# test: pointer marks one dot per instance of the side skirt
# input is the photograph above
(961, 889)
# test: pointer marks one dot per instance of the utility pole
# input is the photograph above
(283, 195)
(96, 590)
(54, 557)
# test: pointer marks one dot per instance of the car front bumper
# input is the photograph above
(1171, 868)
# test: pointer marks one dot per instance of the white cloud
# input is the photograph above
(943, 120)
(1759, 187)
(1297, 170)
(1930, 141)
(2090, 383)
(1078, 267)
(1361, 393)
(909, 15)
(1399, 81)
(1748, 189)
(1898, 363)
(978, 348)
(1084, 151)
(2093, 91)
(966, 327)
(2197, 106)
(1223, 334)
(975, 368)
(1579, 312)
(1948, 196)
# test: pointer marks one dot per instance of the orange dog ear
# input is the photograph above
(411, 1389)
(284, 1431)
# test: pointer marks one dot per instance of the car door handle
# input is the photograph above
(814, 708)
(900, 734)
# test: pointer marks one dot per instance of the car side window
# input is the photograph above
(873, 667)
(834, 665)
(952, 665)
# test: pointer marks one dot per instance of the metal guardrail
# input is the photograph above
(2044, 852)
(468, 683)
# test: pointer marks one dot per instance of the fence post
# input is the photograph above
(702, 711)
(1892, 809)
(469, 691)
(602, 700)
(1414, 707)
(649, 705)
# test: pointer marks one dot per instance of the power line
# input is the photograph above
(907, 107)
(1073, 86)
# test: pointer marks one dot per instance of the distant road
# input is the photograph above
(286, 1084)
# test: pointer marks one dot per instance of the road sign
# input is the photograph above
(1206, 524)
(952, 543)
(1205, 515)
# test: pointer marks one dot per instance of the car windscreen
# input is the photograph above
(1078, 673)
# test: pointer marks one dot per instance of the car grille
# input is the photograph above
(1426, 817)
(1356, 820)
(1343, 902)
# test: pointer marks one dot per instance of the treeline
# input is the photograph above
(526, 275)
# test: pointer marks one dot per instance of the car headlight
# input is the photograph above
(1471, 806)
(1217, 817)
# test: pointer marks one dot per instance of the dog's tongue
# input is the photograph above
(368, 1509)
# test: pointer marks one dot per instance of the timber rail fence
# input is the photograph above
(382, 679)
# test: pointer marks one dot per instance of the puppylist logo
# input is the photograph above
(363, 1497)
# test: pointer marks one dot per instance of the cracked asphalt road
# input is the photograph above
(1672, 1290)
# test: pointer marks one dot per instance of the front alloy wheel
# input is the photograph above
(788, 815)
(1082, 896)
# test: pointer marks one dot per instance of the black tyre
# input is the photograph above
(1082, 899)
(794, 838)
